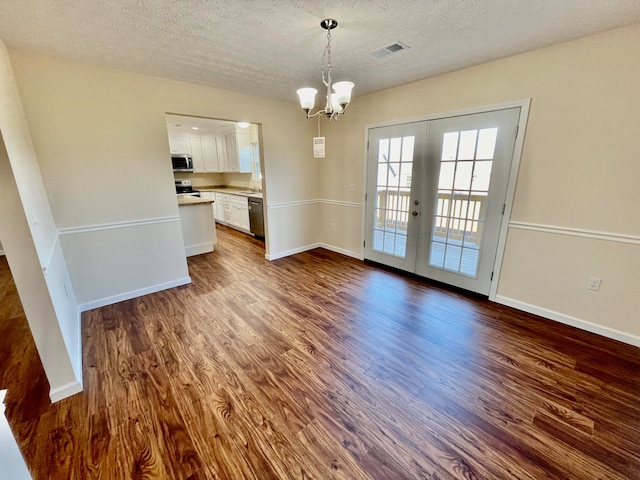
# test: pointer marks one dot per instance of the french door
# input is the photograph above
(436, 193)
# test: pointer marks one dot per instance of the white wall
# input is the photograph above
(575, 213)
(30, 239)
(102, 144)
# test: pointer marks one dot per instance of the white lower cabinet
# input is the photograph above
(240, 212)
(232, 210)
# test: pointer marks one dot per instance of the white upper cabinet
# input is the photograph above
(196, 154)
(238, 152)
(210, 155)
(180, 145)
(221, 144)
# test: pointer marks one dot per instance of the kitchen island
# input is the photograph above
(198, 227)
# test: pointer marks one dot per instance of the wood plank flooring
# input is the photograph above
(320, 366)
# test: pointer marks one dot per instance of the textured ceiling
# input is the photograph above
(271, 48)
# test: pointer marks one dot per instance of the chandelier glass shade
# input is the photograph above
(338, 94)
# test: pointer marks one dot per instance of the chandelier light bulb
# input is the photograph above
(307, 97)
(343, 92)
(335, 103)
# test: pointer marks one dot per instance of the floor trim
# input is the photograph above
(287, 253)
(64, 391)
(342, 251)
(569, 320)
(198, 249)
(312, 246)
(133, 294)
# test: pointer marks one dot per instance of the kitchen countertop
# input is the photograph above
(191, 200)
(231, 191)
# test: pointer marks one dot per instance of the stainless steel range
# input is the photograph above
(183, 187)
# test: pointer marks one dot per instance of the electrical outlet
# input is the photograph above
(594, 284)
(352, 187)
(333, 226)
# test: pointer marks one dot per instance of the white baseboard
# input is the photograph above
(288, 253)
(198, 249)
(306, 248)
(569, 320)
(133, 294)
(342, 251)
(64, 391)
(1, 253)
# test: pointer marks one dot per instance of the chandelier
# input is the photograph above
(339, 98)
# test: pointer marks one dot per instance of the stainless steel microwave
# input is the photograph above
(182, 163)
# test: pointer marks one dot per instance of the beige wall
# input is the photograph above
(579, 170)
(102, 143)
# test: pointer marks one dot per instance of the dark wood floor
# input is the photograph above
(320, 366)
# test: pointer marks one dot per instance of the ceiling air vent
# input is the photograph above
(387, 50)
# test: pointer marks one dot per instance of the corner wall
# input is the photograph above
(33, 251)
(575, 212)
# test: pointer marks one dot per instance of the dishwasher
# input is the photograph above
(256, 219)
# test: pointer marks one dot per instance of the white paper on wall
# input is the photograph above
(318, 147)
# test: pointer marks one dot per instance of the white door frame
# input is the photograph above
(524, 106)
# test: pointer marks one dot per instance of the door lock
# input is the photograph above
(414, 213)
(416, 202)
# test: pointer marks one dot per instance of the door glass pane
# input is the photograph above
(395, 166)
(463, 175)
(389, 242)
(472, 235)
(469, 262)
(383, 169)
(450, 146)
(486, 143)
(407, 149)
(395, 150)
(437, 254)
(467, 149)
(393, 177)
(481, 176)
(405, 175)
(447, 171)
(452, 258)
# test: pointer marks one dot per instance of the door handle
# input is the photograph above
(414, 213)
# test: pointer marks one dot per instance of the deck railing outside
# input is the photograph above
(458, 214)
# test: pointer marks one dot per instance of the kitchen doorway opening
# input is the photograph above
(221, 161)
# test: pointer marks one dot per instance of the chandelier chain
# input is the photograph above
(326, 61)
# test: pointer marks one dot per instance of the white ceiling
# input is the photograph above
(273, 47)
(183, 125)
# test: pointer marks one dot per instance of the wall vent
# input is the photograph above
(390, 49)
